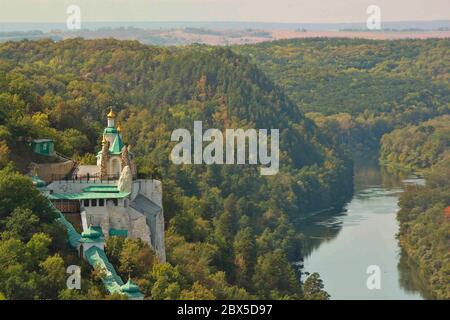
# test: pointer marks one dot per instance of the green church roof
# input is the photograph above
(110, 130)
(111, 280)
(73, 236)
(92, 233)
(118, 232)
(88, 195)
(116, 147)
(97, 257)
(129, 287)
(38, 182)
(101, 189)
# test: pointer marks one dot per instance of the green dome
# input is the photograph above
(129, 287)
(91, 233)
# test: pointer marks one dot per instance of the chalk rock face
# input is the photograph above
(118, 218)
(125, 183)
(139, 228)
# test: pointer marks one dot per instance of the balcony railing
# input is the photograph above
(85, 178)
(96, 178)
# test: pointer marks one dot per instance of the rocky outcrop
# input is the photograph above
(125, 183)
(155, 219)
(104, 159)
(127, 219)
(51, 171)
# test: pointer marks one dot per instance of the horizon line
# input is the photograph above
(222, 21)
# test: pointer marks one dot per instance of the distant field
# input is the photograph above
(224, 37)
(181, 36)
(287, 34)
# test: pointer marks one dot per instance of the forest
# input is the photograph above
(417, 147)
(381, 98)
(229, 231)
(424, 220)
(359, 89)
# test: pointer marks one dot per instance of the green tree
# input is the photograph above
(22, 224)
(53, 279)
(18, 191)
(313, 288)
(275, 277)
(136, 258)
(4, 153)
(244, 256)
(197, 292)
(166, 282)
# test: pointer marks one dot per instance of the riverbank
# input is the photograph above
(343, 245)
(425, 228)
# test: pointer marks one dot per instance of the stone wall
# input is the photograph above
(62, 186)
(151, 189)
(46, 171)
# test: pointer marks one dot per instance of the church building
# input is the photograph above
(109, 197)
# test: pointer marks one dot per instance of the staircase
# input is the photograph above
(96, 258)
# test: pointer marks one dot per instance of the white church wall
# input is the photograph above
(114, 165)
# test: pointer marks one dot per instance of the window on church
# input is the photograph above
(115, 201)
(86, 203)
(94, 202)
(101, 202)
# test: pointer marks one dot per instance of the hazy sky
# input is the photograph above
(300, 11)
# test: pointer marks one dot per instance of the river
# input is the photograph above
(341, 246)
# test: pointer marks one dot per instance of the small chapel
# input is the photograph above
(114, 155)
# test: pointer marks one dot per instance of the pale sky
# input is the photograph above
(296, 11)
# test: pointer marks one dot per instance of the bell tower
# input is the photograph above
(111, 118)
(114, 155)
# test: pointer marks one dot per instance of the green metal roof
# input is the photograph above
(88, 195)
(101, 189)
(117, 145)
(92, 233)
(97, 257)
(118, 232)
(129, 287)
(72, 234)
(88, 240)
(112, 281)
(38, 182)
(110, 130)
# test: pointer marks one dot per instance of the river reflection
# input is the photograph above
(340, 246)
